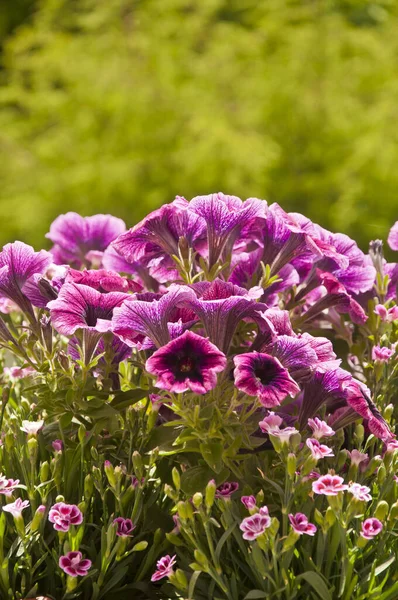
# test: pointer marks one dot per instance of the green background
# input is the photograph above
(118, 105)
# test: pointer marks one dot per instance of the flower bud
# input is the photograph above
(185, 510)
(174, 539)
(94, 453)
(381, 511)
(373, 465)
(330, 517)
(393, 516)
(33, 448)
(81, 434)
(138, 465)
(37, 518)
(291, 465)
(140, 546)
(197, 499)
(201, 559)
(359, 433)
(388, 411)
(210, 493)
(110, 473)
(181, 578)
(176, 478)
(308, 466)
(170, 492)
(88, 487)
(290, 540)
(381, 474)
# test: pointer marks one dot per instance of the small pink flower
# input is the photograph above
(360, 492)
(225, 490)
(255, 525)
(329, 485)
(125, 527)
(301, 525)
(164, 567)
(381, 353)
(16, 508)
(271, 420)
(57, 445)
(389, 315)
(248, 501)
(18, 372)
(318, 450)
(358, 458)
(64, 515)
(73, 564)
(8, 486)
(320, 428)
(370, 528)
(392, 446)
(32, 427)
(269, 426)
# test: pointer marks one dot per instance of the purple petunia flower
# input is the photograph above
(73, 564)
(225, 217)
(318, 450)
(329, 485)
(263, 376)
(370, 528)
(103, 281)
(300, 524)
(16, 508)
(255, 526)
(164, 567)
(64, 515)
(125, 527)
(82, 307)
(190, 362)
(81, 240)
(148, 316)
(19, 262)
(225, 490)
(393, 237)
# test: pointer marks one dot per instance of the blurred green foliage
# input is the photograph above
(118, 105)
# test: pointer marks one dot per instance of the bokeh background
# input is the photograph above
(118, 105)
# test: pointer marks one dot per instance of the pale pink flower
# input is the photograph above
(320, 428)
(389, 315)
(301, 525)
(32, 427)
(360, 492)
(248, 501)
(329, 485)
(255, 525)
(370, 528)
(271, 428)
(318, 450)
(358, 457)
(16, 508)
(8, 486)
(381, 353)
(270, 421)
(18, 372)
(164, 567)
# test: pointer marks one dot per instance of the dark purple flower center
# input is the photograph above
(266, 371)
(93, 313)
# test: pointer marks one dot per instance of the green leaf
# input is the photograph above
(255, 594)
(212, 453)
(123, 400)
(317, 583)
(195, 479)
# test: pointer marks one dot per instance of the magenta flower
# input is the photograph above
(370, 528)
(263, 376)
(164, 567)
(301, 525)
(255, 526)
(73, 564)
(103, 281)
(329, 485)
(360, 492)
(318, 450)
(64, 515)
(125, 527)
(386, 315)
(249, 502)
(81, 240)
(393, 237)
(18, 372)
(382, 354)
(19, 262)
(82, 307)
(16, 508)
(57, 445)
(320, 428)
(225, 490)
(189, 362)
(8, 486)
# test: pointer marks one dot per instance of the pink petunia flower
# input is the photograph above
(255, 525)
(301, 525)
(370, 528)
(360, 492)
(320, 428)
(329, 485)
(73, 564)
(164, 567)
(64, 515)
